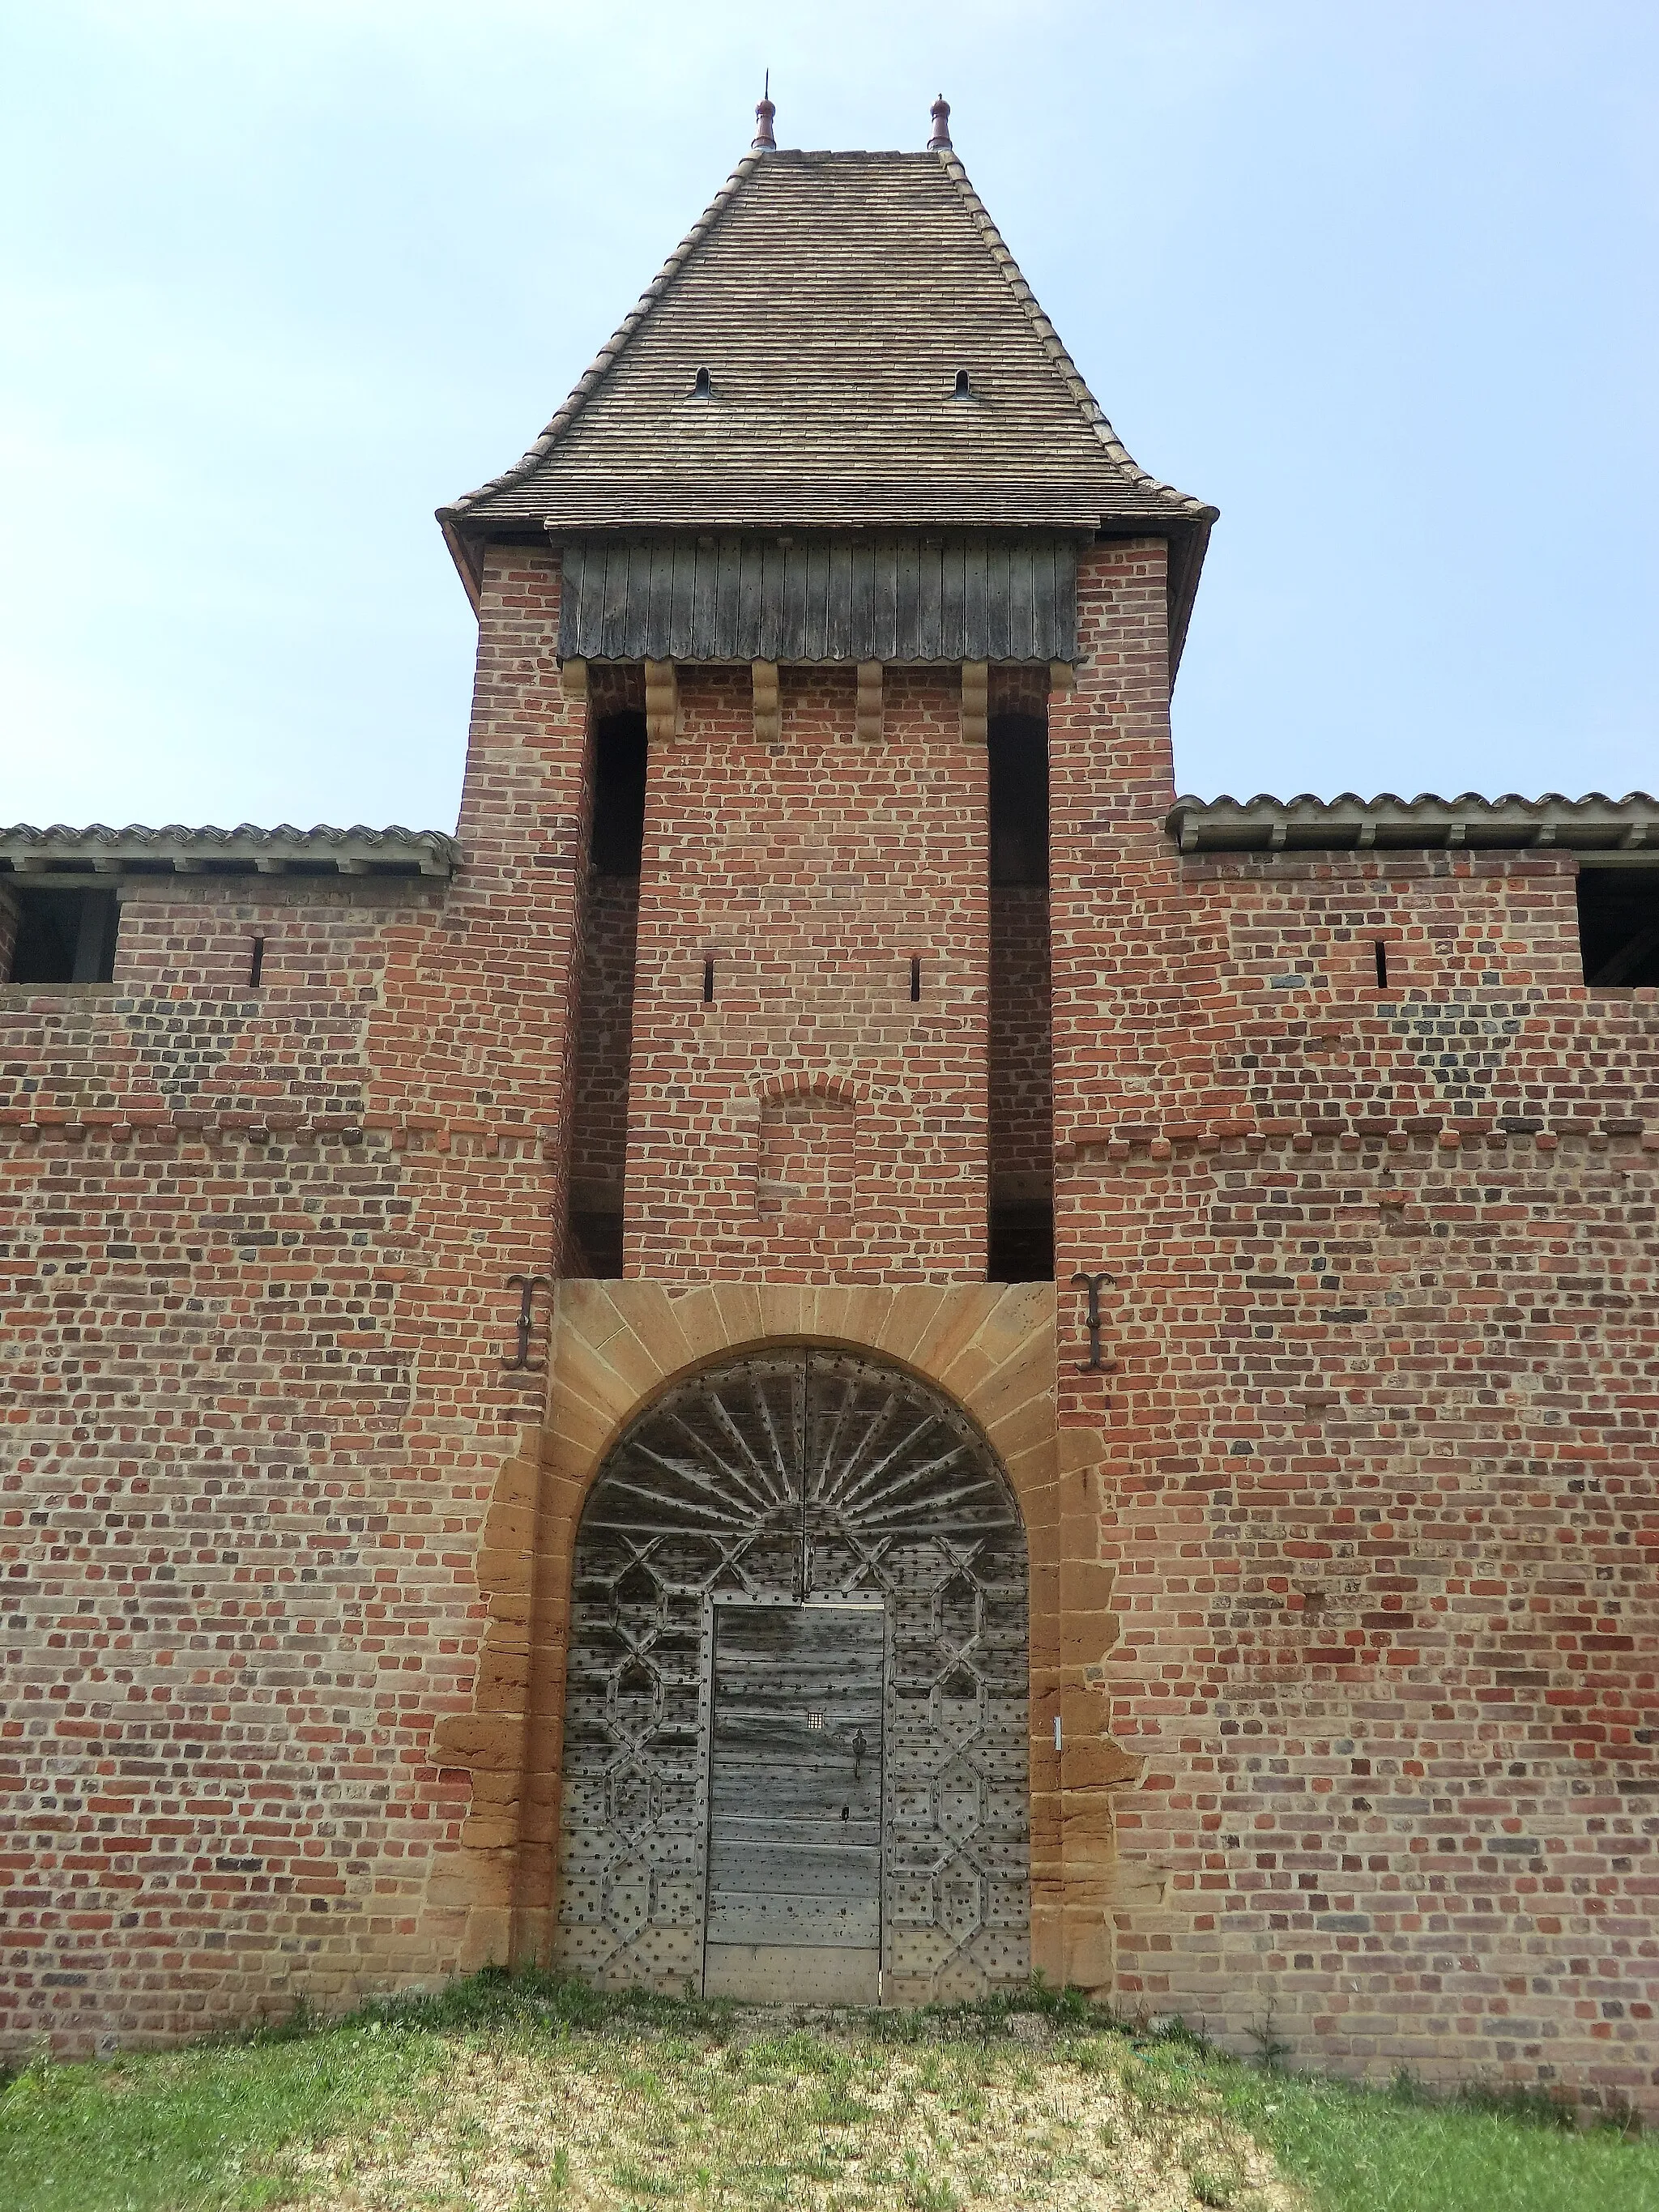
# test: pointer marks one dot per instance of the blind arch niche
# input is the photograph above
(792, 1477)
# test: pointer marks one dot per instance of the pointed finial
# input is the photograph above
(940, 141)
(763, 142)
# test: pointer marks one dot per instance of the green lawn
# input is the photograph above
(527, 2094)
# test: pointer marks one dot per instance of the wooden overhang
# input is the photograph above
(804, 597)
(1600, 831)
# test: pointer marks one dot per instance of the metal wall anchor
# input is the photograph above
(1094, 1365)
(528, 1286)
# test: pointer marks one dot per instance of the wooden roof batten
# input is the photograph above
(875, 360)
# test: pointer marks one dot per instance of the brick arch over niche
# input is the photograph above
(613, 1347)
(784, 1550)
(816, 1083)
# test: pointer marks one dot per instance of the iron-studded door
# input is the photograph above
(795, 1800)
(798, 1493)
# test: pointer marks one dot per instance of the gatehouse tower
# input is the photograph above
(845, 1350)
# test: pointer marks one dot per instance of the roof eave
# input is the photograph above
(1596, 828)
(463, 549)
(46, 857)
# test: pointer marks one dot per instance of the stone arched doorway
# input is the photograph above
(796, 1709)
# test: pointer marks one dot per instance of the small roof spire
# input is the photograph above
(940, 141)
(763, 142)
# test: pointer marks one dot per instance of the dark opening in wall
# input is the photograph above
(64, 937)
(1618, 926)
(593, 1245)
(1022, 1166)
(593, 1225)
(1018, 747)
(618, 794)
(1022, 1244)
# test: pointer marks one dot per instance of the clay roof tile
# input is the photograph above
(833, 298)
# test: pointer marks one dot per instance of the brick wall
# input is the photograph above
(811, 872)
(1348, 1585)
(255, 1319)
(599, 1152)
(1371, 1495)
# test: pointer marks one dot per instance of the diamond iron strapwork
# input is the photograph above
(787, 1477)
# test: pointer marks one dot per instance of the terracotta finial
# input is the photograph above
(763, 142)
(940, 141)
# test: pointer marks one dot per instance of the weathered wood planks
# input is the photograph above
(794, 1824)
(893, 596)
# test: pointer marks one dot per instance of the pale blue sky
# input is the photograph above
(276, 279)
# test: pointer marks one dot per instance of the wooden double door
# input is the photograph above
(797, 1695)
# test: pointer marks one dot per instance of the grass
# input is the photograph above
(216, 2124)
(1399, 2151)
(533, 2094)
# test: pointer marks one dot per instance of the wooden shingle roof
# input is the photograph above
(833, 298)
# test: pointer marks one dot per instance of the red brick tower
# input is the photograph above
(817, 512)
(829, 522)
(556, 1413)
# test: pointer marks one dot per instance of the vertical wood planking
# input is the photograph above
(795, 1807)
(815, 597)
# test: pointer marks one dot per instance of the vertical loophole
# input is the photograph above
(1382, 953)
(255, 966)
(708, 982)
(915, 976)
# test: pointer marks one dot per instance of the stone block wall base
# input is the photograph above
(1090, 1946)
(1047, 1935)
(489, 1940)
